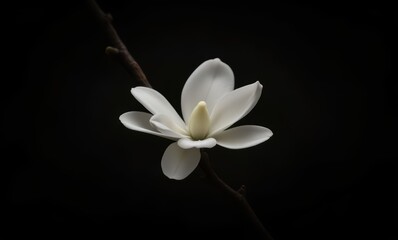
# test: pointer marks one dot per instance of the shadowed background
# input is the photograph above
(327, 173)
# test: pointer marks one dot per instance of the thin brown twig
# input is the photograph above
(238, 195)
(118, 50)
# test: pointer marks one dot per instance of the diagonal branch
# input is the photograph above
(238, 195)
(118, 50)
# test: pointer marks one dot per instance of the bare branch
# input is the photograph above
(238, 195)
(118, 50)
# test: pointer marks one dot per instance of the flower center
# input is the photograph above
(199, 122)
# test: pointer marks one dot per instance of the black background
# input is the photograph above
(72, 169)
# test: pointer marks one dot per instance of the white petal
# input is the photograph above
(156, 103)
(178, 163)
(211, 80)
(165, 125)
(243, 136)
(233, 106)
(139, 121)
(187, 143)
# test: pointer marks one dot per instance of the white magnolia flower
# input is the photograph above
(209, 105)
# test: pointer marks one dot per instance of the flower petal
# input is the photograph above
(156, 103)
(187, 143)
(243, 136)
(178, 163)
(165, 125)
(233, 106)
(211, 80)
(139, 121)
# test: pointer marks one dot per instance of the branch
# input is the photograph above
(118, 50)
(238, 195)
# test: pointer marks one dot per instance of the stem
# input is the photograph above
(118, 50)
(238, 195)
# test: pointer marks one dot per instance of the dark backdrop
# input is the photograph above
(72, 169)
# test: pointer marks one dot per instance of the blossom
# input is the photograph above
(210, 105)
